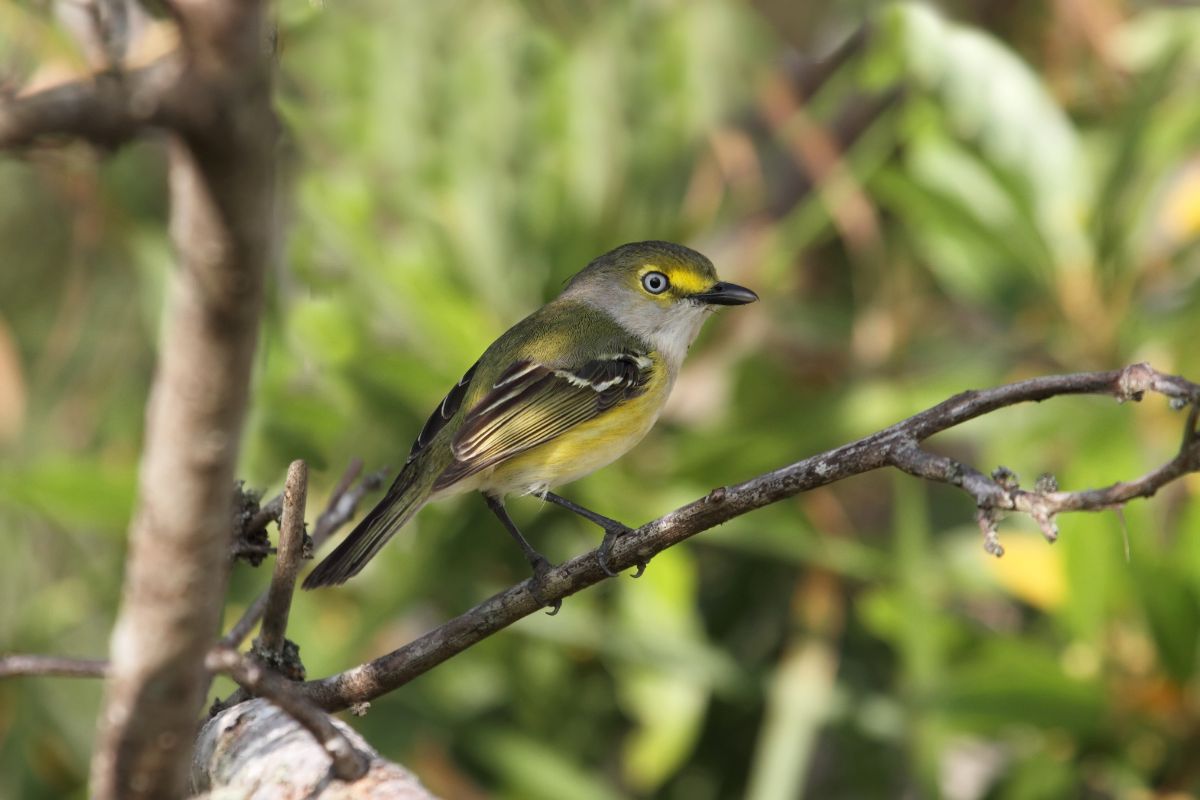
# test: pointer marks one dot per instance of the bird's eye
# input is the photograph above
(655, 282)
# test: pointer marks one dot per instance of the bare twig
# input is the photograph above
(348, 763)
(287, 563)
(1002, 492)
(245, 624)
(343, 504)
(270, 511)
(22, 665)
(349, 476)
(342, 507)
(894, 446)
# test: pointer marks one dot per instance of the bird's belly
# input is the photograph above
(581, 450)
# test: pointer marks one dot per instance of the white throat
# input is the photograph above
(673, 334)
(670, 330)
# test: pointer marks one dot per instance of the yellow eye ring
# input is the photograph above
(655, 282)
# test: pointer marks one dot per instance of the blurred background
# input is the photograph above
(928, 198)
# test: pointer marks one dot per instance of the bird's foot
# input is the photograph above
(541, 568)
(611, 534)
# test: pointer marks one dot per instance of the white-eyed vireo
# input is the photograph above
(562, 393)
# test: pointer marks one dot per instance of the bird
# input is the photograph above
(564, 392)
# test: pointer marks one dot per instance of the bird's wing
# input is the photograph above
(531, 403)
(442, 414)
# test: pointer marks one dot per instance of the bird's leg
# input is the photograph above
(536, 560)
(612, 529)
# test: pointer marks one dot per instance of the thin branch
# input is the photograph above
(270, 511)
(343, 501)
(270, 643)
(348, 763)
(342, 507)
(25, 665)
(893, 446)
(1002, 492)
(245, 624)
(343, 504)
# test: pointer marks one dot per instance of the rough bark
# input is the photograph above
(255, 750)
(221, 183)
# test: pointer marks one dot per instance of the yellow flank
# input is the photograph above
(586, 447)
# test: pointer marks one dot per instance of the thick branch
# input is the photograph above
(348, 763)
(107, 110)
(892, 446)
(257, 750)
(222, 187)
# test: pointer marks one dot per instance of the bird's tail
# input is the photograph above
(405, 497)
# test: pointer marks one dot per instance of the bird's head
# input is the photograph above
(658, 290)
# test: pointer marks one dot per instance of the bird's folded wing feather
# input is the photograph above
(532, 403)
(442, 414)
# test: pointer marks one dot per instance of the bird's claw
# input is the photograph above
(541, 567)
(602, 560)
(610, 536)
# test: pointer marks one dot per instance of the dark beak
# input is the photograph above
(726, 294)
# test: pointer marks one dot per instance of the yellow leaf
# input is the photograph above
(1031, 570)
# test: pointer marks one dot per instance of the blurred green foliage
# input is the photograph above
(959, 198)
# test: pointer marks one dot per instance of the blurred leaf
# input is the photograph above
(667, 704)
(1173, 615)
(670, 712)
(1032, 571)
(990, 97)
(1005, 682)
(535, 770)
(1040, 777)
(799, 704)
(73, 492)
(1113, 220)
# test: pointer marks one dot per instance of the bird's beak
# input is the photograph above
(726, 294)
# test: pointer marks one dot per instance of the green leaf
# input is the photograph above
(1169, 602)
(534, 770)
(1006, 682)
